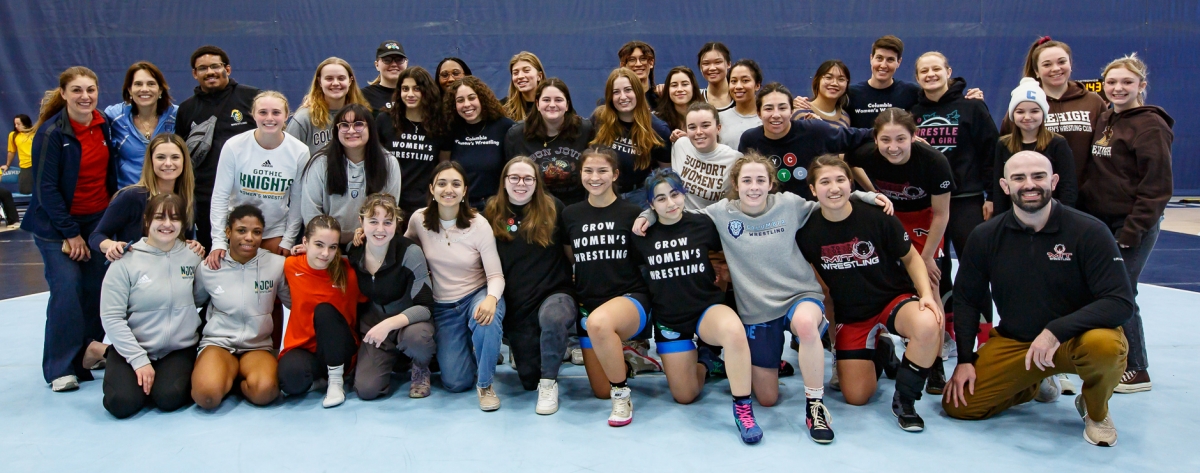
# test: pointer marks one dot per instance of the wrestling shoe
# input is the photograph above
(937, 378)
(819, 428)
(786, 369)
(622, 410)
(906, 414)
(639, 361)
(743, 416)
(715, 368)
(885, 352)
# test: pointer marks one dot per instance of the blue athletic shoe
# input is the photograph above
(743, 415)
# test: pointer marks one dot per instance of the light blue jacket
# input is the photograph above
(129, 143)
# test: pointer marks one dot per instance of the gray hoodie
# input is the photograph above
(344, 207)
(241, 297)
(769, 274)
(148, 302)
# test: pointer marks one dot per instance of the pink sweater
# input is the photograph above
(460, 260)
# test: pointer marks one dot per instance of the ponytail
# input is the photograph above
(52, 102)
(337, 267)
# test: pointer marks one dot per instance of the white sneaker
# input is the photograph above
(622, 410)
(512, 361)
(949, 347)
(577, 356)
(835, 383)
(1048, 390)
(1103, 434)
(65, 383)
(335, 394)
(1066, 386)
(547, 402)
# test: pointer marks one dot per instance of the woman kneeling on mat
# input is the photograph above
(319, 341)
(855, 249)
(686, 301)
(148, 308)
(242, 293)
(394, 277)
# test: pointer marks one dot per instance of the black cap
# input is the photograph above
(390, 48)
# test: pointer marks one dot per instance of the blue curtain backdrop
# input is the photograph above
(276, 44)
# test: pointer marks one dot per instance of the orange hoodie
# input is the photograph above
(311, 287)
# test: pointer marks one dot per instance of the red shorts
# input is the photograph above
(856, 341)
(917, 225)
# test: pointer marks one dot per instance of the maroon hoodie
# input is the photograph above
(1127, 180)
(1074, 116)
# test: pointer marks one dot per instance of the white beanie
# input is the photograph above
(1029, 90)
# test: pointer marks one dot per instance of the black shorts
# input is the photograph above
(641, 301)
(677, 338)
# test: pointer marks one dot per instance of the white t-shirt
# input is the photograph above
(733, 124)
(705, 175)
(247, 173)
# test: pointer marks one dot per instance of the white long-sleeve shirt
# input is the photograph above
(250, 174)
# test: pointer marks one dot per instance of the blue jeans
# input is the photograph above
(1135, 260)
(458, 332)
(73, 313)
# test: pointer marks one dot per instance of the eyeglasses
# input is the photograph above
(515, 179)
(211, 67)
(639, 60)
(835, 79)
(455, 74)
(358, 126)
(392, 59)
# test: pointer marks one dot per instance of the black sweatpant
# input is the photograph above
(10, 207)
(966, 213)
(336, 344)
(171, 390)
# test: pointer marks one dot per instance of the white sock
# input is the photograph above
(814, 393)
(335, 394)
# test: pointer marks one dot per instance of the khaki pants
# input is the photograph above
(1001, 380)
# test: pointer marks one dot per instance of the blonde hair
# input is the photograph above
(383, 201)
(185, 184)
(514, 107)
(945, 62)
(1133, 64)
(318, 109)
(750, 157)
(270, 94)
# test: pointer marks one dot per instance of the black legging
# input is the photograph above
(10, 207)
(966, 213)
(537, 340)
(335, 345)
(171, 390)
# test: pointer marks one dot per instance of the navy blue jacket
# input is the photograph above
(56, 172)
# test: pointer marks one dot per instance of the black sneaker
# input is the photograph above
(786, 369)
(937, 378)
(906, 415)
(885, 354)
(819, 428)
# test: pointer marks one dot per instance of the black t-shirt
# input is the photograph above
(601, 240)
(379, 97)
(533, 272)
(909, 185)
(479, 148)
(682, 281)
(806, 140)
(630, 179)
(867, 102)
(859, 259)
(417, 154)
(557, 158)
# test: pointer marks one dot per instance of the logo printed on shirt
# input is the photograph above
(266, 164)
(299, 274)
(263, 287)
(236, 115)
(187, 272)
(144, 280)
(941, 132)
(848, 255)
(736, 227)
(945, 185)
(218, 291)
(904, 191)
(1059, 254)
(667, 333)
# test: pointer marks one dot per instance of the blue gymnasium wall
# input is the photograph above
(276, 44)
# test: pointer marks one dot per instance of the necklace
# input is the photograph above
(145, 127)
(547, 143)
